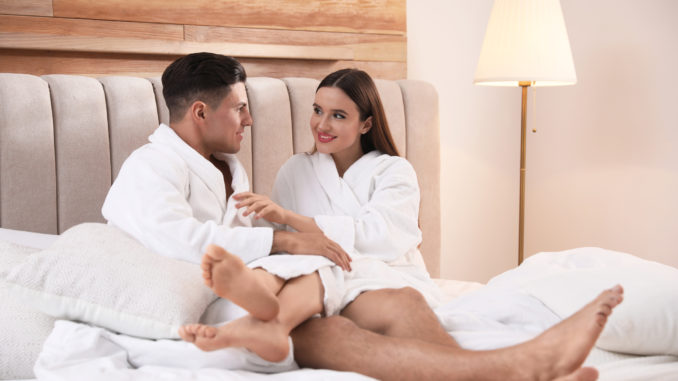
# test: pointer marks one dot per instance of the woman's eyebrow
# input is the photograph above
(333, 110)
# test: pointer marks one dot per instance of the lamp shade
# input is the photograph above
(526, 41)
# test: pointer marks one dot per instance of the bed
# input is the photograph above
(72, 306)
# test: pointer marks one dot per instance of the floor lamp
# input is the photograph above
(525, 45)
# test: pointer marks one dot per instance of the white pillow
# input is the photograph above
(645, 323)
(97, 274)
(24, 330)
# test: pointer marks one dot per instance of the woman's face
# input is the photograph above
(336, 124)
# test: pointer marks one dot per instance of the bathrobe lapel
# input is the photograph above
(341, 192)
(197, 164)
(340, 195)
(240, 183)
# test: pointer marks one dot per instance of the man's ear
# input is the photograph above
(367, 125)
(197, 111)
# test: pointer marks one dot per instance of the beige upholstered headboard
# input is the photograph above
(63, 139)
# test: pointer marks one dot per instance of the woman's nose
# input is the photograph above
(321, 123)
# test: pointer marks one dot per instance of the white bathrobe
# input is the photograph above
(372, 212)
(173, 200)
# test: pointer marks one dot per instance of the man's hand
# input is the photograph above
(310, 243)
(262, 206)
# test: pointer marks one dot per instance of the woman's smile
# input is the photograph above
(325, 138)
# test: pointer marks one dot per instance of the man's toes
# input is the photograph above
(205, 331)
(186, 335)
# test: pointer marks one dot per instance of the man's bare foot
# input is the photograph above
(560, 351)
(229, 277)
(581, 374)
(268, 339)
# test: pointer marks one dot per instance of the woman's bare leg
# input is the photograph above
(300, 298)
(337, 343)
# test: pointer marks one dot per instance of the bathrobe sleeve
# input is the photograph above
(149, 200)
(385, 227)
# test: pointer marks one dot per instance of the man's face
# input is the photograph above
(224, 125)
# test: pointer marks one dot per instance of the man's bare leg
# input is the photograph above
(558, 353)
(228, 276)
(300, 298)
(420, 322)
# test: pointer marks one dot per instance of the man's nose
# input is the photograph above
(247, 120)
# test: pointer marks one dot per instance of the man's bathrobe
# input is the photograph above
(173, 201)
(372, 212)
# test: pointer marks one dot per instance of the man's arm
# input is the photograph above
(149, 200)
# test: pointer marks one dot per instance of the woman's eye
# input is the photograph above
(317, 110)
(339, 116)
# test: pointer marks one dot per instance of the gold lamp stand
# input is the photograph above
(523, 148)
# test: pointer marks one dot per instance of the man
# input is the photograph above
(174, 195)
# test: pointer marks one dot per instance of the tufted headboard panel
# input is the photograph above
(63, 139)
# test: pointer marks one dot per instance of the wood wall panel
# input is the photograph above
(294, 37)
(165, 47)
(141, 37)
(26, 7)
(367, 16)
(367, 47)
(91, 28)
(101, 64)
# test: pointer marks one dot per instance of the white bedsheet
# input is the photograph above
(29, 239)
(499, 314)
(487, 318)
(76, 351)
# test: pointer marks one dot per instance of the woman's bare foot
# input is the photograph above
(229, 277)
(560, 351)
(268, 339)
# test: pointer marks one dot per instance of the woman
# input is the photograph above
(354, 188)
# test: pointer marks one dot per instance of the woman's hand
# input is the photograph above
(262, 206)
(311, 244)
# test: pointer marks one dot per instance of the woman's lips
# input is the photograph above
(325, 138)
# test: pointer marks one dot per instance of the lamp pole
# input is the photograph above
(523, 147)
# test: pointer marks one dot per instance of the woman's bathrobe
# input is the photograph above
(173, 200)
(372, 212)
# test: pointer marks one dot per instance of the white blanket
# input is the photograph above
(500, 314)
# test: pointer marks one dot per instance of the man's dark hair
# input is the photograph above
(206, 77)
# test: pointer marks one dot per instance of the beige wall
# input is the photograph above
(602, 169)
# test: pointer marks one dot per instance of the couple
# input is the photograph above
(176, 196)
